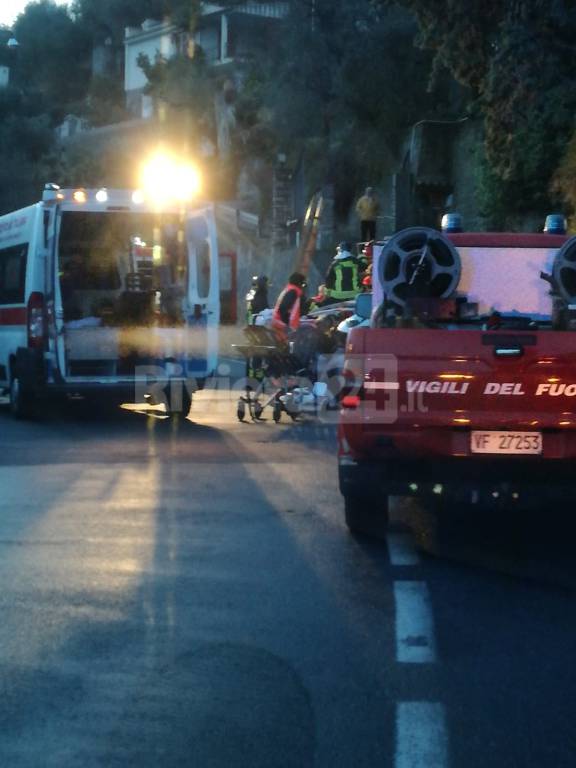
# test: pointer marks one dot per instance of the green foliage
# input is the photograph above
(53, 58)
(105, 101)
(49, 76)
(346, 84)
(183, 85)
(564, 181)
(103, 19)
(519, 60)
(26, 142)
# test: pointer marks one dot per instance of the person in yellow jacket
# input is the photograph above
(367, 209)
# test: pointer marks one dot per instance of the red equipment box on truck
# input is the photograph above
(463, 388)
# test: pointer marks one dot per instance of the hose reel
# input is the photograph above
(564, 271)
(420, 263)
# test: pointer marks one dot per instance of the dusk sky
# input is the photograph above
(9, 9)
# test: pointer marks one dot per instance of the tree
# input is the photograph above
(43, 88)
(53, 57)
(518, 59)
(346, 82)
(103, 19)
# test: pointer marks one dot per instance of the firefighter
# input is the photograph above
(290, 306)
(343, 277)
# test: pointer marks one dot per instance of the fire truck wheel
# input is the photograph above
(367, 516)
(21, 402)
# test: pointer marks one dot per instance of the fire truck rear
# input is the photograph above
(463, 389)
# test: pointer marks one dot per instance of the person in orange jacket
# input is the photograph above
(290, 305)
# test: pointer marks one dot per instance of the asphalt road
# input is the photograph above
(186, 594)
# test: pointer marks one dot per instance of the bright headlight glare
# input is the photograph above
(101, 196)
(186, 182)
(138, 197)
(164, 179)
(79, 196)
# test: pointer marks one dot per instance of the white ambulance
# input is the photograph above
(103, 295)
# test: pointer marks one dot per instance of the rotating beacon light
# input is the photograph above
(452, 222)
(555, 224)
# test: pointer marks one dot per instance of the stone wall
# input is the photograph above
(466, 159)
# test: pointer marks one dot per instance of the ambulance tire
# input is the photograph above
(21, 401)
(366, 515)
(182, 404)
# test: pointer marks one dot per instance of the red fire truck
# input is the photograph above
(463, 388)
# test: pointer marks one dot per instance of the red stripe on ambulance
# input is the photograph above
(13, 316)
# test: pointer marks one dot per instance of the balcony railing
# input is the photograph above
(267, 10)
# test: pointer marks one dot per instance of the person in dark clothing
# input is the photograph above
(257, 298)
(256, 302)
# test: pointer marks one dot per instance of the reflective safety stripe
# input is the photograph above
(294, 317)
(346, 283)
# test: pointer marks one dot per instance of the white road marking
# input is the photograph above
(415, 643)
(401, 549)
(421, 735)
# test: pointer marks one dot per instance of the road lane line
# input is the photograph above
(421, 735)
(415, 643)
(401, 549)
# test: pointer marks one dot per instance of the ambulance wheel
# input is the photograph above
(366, 515)
(21, 402)
(181, 405)
(241, 410)
(277, 412)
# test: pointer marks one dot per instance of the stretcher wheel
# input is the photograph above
(241, 410)
(277, 411)
(258, 410)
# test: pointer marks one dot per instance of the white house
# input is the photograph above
(152, 39)
(225, 36)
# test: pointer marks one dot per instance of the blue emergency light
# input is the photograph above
(452, 222)
(555, 224)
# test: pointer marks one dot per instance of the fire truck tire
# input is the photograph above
(366, 515)
(21, 401)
